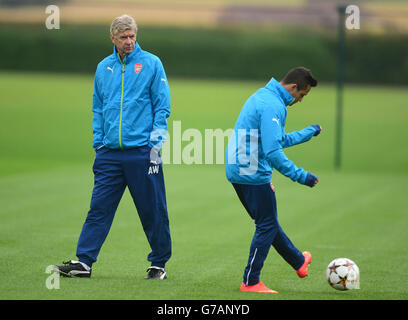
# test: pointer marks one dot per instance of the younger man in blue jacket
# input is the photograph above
(254, 150)
(131, 104)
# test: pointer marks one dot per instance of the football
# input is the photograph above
(343, 274)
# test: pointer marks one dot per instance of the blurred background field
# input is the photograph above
(216, 54)
(214, 39)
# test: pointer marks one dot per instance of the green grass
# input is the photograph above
(358, 212)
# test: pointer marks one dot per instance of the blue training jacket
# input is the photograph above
(255, 147)
(131, 101)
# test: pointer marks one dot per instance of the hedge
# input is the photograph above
(229, 53)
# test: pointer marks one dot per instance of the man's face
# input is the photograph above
(124, 41)
(298, 94)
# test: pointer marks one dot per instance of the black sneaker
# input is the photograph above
(156, 273)
(72, 269)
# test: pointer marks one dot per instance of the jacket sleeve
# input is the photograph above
(297, 137)
(160, 95)
(271, 137)
(97, 120)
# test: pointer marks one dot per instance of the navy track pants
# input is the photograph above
(113, 171)
(260, 203)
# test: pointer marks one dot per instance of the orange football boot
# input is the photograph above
(302, 271)
(259, 287)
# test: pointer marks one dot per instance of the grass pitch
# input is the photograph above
(358, 212)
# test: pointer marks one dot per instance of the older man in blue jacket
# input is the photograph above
(254, 150)
(131, 104)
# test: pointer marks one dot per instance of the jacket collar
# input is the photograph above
(129, 56)
(280, 91)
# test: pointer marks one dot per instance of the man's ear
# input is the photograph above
(291, 87)
(112, 38)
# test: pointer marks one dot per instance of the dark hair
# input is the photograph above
(301, 76)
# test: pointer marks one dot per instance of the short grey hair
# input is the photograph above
(123, 23)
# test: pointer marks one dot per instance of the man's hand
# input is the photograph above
(155, 156)
(311, 180)
(318, 129)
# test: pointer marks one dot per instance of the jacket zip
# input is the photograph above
(121, 104)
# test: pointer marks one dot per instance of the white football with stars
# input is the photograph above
(343, 274)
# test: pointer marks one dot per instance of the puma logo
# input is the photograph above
(109, 68)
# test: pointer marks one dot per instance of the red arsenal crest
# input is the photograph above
(138, 67)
